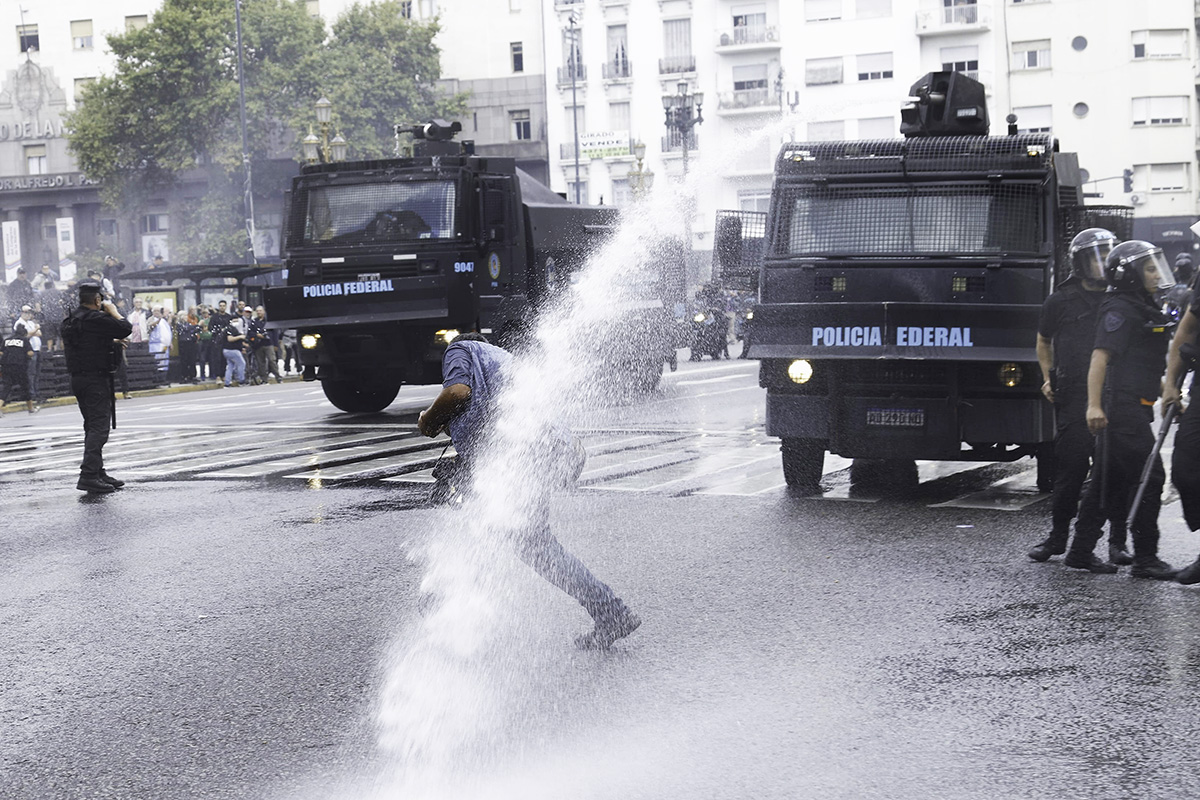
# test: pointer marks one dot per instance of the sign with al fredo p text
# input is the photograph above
(11, 232)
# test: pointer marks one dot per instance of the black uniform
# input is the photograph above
(1136, 335)
(1185, 460)
(1068, 320)
(88, 337)
(14, 363)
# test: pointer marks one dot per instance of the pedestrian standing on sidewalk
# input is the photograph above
(473, 373)
(90, 336)
(14, 363)
(233, 340)
(1124, 381)
(29, 327)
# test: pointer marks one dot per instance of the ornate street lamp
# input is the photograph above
(679, 116)
(322, 149)
(640, 180)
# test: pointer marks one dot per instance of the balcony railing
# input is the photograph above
(749, 34)
(577, 74)
(673, 142)
(675, 64)
(560, 4)
(746, 98)
(937, 19)
(617, 70)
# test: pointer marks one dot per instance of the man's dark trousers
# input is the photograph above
(93, 392)
(1185, 465)
(1074, 446)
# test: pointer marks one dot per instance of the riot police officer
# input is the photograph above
(1124, 380)
(1185, 460)
(1066, 330)
(89, 335)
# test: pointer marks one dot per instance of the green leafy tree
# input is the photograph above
(166, 122)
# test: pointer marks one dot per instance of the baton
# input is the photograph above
(1168, 417)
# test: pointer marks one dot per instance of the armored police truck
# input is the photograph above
(900, 283)
(388, 260)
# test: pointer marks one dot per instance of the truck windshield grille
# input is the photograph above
(907, 221)
(371, 213)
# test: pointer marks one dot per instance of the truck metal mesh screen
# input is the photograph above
(927, 219)
(369, 213)
(738, 248)
(937, 154)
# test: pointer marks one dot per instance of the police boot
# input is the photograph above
(1053, 546)
(1189, 574)
(1088, 561)
(116, 483)
(1152, 567)
(1117, 554)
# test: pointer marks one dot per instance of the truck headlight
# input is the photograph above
(1010, 374)
(800, 371)
(749, 315)
(698, 318)
(446, 336)
(309, 341)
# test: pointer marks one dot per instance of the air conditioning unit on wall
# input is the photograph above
(1137, 199)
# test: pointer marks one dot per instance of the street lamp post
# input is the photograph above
(572, 67)
(247, 184)
(679, 116)
(322, 149)
(640, 179)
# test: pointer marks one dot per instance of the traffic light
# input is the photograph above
(1127, 175)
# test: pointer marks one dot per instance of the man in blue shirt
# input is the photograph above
(473, 373)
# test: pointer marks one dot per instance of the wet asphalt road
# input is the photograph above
(227, 638)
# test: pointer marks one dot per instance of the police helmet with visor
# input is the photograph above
(1138, 265)
(1089, 250)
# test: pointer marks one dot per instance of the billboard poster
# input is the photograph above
(266, 243)
(153, 246)
(66, 247)
(11, 232)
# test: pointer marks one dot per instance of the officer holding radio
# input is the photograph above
(92, 337)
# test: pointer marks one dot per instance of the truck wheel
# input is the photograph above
(1045, 468)
(803, 460)
(649, 375)
(350, 396)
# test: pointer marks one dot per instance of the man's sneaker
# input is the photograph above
(1189, 574)
(116, 483)
(1090, 563)
(608, 629)
(1048, 548)
(1154, 568)
(1119, 555)
(94, 486)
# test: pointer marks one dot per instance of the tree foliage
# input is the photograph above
(167, 118)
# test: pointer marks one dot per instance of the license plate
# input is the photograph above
(896, 417)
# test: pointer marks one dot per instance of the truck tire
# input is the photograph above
(1045, 468)
(650, 375)
(350, 396)
(803, 460)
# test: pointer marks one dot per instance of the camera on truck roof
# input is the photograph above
(945, 104)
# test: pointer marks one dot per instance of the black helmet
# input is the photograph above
(90, 286)
(1183, 268)
(1089, 250)
(1130, 263)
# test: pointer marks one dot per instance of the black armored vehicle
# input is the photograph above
(389, 260)
(900, 283)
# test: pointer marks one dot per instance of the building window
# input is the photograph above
(136, 23)
(961, 59)
(583, 191)
(677, 47)
(80, 85)
(749, 24)
(874, 66)
(864, 9)
(106, 227)
(618, 117)
(618, 55)
(1160, 44)
(822, 71)
(571, 112)
(573, 67)
(518, 56)
(829, 131)
(81, 34)
(1160, 110)
(877, 128)
(155, 223)
(819, 10)
(754, 200)
(35, 159)
(1160, 177)
(622, 195)
(960, 12)
(1033, 119)
(27, 37)
(1031, 55)
(406, 9)
(522, 130)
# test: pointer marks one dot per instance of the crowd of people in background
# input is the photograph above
(226, 343)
